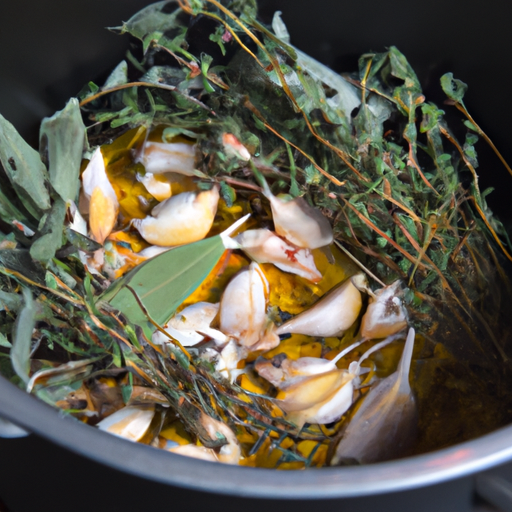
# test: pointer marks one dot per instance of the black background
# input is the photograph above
(49, 49)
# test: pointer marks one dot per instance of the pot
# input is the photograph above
(55, 47)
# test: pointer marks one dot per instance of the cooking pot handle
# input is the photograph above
(10, 430)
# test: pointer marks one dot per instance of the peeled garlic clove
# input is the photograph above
(331, 316)
(160, 190)
(181, 219)
(230, 453)
(234, 147)
(331, 409)
(386, 314)
(130, 422)
(191, 325)
(229, 358)
(152, 251)
(196, 452)
(311, 391)
(300, 223)
(384, 425)
(103, 203)
(243, 307)
(160, 157)
(263, 246)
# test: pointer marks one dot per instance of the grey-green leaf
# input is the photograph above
(22, 337)
(453, 88)
(150, 19)
(119, 76)
(24, 168)
(164, 282)
(45, 247)
(63, 137)
(10, 302)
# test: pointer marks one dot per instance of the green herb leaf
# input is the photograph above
(22, 337)
(10, 302)
(164, 282)
(24, 169)
(62, 136)
(44, 248)
(453, 88)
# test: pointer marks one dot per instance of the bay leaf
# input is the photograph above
(24, 169)
(22, 337)
(62, 138)
(164, 282)
(45, 247)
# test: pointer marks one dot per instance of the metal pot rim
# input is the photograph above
(139, 460)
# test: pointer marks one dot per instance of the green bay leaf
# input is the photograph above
(164, 282)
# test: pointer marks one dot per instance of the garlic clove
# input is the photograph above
(331, 409)
(243, 307)
(300, 223)
(191, 325)
(233, 147)
(311, 391)
(230, 453)
(130, 422)
(181, 219)
(160, 157)
(103, 203)
(263, 246)
(229, 357)
(196, 452)
(160, 190)
(331, 316)
(386, 314)
(384, 426)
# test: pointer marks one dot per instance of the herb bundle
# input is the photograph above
(368, 150)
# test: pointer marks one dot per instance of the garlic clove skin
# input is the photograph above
(386, 314)
(160, 190)
(331, 316)
(162, 157)
(300, 223)
(243, 307)
(103, 203)
(263, 246)
(130, 422)
(181, 219)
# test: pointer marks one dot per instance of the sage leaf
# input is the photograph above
(22, 337)
(453, 88)
(45, 247)
(164, 282)
(150, 20)
(10, 302)
(24, 169)
(118, 77)
(62, 137)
